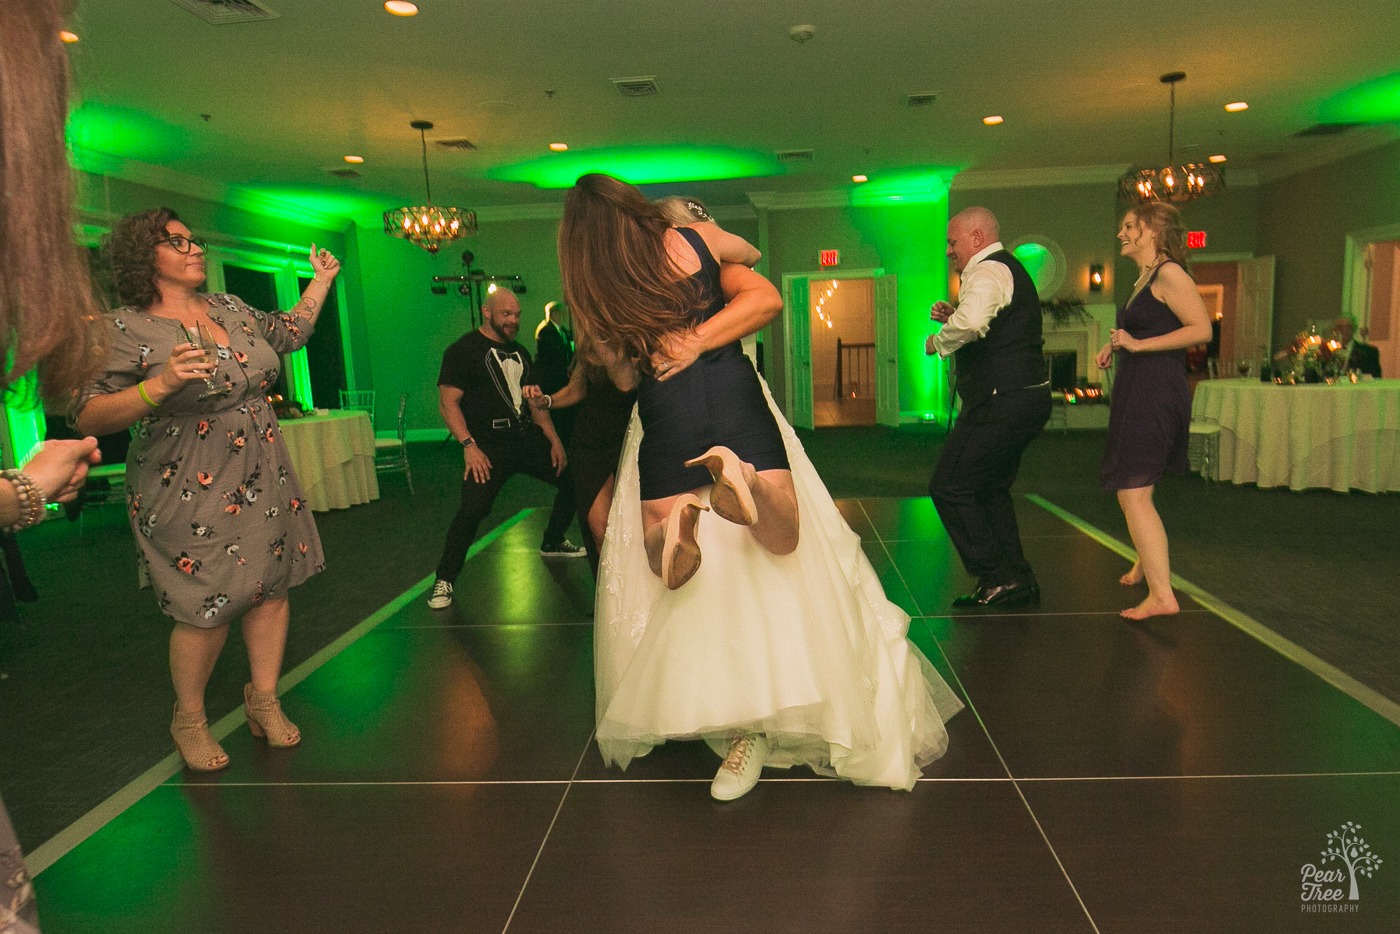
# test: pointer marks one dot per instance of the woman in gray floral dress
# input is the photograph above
(220, 521)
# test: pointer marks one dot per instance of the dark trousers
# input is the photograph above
(971, 484)
(511, 452)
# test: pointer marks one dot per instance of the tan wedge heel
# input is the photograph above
(196, 744)
(266, 720)
(680, 553)
(730, 497)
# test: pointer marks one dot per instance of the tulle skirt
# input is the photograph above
(804, 648)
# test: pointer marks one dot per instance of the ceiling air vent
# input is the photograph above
(794, 155)
(644, 86)
(345, 172)
(460, 142)
(220, 12)
(1326, 129)
(922, 99)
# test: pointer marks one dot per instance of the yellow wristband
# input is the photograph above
(141, 390)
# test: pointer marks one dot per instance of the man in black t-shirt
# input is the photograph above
(480, 398)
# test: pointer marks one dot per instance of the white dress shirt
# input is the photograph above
(984, 290)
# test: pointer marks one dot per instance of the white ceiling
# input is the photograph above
(1077, 82)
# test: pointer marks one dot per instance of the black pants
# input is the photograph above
(511, 452)
(971, 484)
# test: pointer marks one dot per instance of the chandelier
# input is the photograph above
(1175, 181)
(427, 225)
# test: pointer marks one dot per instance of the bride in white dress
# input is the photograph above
(773, 660)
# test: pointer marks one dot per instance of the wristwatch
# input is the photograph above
(468, 442)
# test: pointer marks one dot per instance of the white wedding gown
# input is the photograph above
(803, 648)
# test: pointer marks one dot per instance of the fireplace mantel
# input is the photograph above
(1084, 337)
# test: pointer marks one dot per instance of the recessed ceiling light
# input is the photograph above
(559, 147)
(993, 120)
(860, 178)
(1236, 106)
(1217, 158)
(67, 36)
(401, 7)
(354, 160)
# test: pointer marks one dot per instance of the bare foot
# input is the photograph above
(1133, 577)
(1152, 606)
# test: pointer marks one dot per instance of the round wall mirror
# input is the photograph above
(1044, 261)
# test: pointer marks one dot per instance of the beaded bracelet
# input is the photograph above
(31, 500)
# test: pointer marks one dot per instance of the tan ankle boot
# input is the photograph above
(265, 718)
(196, 744)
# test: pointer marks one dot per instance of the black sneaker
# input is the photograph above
(563, 549)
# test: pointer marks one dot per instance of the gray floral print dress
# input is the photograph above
(220, 521)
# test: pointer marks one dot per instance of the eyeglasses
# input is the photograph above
(185, 244)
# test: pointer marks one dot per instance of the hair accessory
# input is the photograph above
(698, 209)
(31, 500)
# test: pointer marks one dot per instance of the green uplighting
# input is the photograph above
(641, 165)
(1374, 101)
(920, 185)
(101, 137)
(1034, 257)
(311, 206)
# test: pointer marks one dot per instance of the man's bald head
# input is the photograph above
(500, 315)
(971, 231)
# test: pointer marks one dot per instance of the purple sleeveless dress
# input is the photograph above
(1150, 410)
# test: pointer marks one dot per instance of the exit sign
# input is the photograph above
(829, 257)
(1195, 239)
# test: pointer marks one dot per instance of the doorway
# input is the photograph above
(1372, 292)
(841, 315)
(841, 348)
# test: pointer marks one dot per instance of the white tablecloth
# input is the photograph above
(333, 456)
(1342, 437)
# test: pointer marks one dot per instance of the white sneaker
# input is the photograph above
(441, 597)
(740, 770)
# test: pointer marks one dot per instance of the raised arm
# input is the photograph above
(727, 247)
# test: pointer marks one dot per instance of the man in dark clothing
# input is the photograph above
(994, 337)
(480, 398)
(554, 357)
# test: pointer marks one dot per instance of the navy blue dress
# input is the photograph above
(716, 400)
(1150, 410)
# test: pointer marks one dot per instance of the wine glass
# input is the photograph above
(203, 338)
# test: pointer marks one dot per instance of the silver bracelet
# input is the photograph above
(31, 500)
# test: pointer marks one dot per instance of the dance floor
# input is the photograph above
(1176, 775)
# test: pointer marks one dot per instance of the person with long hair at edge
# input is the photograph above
(47, 311)
(734, 604)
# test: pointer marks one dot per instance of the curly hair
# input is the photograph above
(1164, 220)
(129, 253)
(48, 308)
(619, 280)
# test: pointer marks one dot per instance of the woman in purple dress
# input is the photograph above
(1148, 424)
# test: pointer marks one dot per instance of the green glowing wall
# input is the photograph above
(906, 240)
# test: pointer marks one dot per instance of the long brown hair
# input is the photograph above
(619, 280)
(129, 254)
(1164, 220)
(48, 310)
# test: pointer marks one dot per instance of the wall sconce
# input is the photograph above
(1096, 277)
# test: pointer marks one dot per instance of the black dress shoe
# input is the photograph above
(969, 599)
(1008, 595)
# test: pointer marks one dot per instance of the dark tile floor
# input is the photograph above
(1171, 776)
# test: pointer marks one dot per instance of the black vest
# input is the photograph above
(1009, 357)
